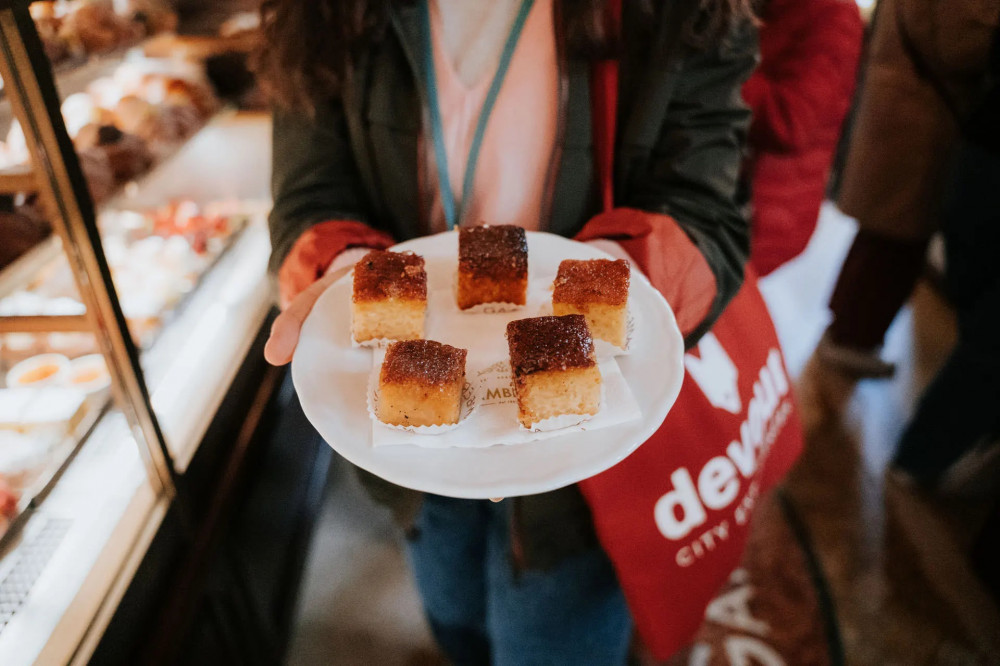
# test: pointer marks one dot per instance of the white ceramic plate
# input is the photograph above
(330, 377)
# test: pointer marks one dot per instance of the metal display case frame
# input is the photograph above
(55, 174)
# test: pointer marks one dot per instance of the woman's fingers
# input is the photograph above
(286, 328)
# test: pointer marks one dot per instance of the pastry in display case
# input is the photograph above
(21, 228)
(156, 258)
(38, 412)
(49, 401)
(54, 385)
(135, 116)
(73, 30)
(122, 124)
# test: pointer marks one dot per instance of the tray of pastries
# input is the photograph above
(156, 257)
(488, 362)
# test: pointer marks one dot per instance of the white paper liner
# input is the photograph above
(558, 422)
(492, 308)
(374, 343)
(483, 308)
(470, 401)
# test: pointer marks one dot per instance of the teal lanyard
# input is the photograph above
(452, 211)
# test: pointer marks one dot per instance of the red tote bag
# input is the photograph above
(675, 515)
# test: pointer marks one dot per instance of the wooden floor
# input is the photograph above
(895, 560)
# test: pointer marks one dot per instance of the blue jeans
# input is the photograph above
(482, 611)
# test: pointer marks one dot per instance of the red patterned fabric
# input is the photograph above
(799, 96)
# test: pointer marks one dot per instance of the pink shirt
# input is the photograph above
(514, 161)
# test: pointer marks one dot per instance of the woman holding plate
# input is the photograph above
(402, 118)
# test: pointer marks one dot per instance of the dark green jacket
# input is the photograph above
(681, 130)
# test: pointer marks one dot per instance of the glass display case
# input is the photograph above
(133, 284)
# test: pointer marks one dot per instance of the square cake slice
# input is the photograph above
(554, 367)
(390, 296)
(597, 289)
(492, 265)
(420, 383)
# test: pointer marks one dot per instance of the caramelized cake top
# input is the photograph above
(423, 361)
(592, 281)
(550, 343)
(493, 251)
(381, 275)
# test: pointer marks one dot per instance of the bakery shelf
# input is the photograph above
(192, 357)
(66, 68)
(18, 179)
(197, 356)
(227, 159)
(74, 75)
(33, 262)
(191, 360)
(44, 324)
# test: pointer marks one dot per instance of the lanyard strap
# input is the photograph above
(452, 212)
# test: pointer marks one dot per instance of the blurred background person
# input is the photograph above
(923, 76)
(959, 410)
(799, 95)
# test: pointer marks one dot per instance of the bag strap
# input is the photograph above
(604, 108)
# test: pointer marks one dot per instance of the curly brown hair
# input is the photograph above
(308, 45)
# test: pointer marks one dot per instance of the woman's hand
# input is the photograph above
(285, 331)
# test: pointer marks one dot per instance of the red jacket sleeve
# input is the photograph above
(807, 74)
(317, 247)
(660, 249)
